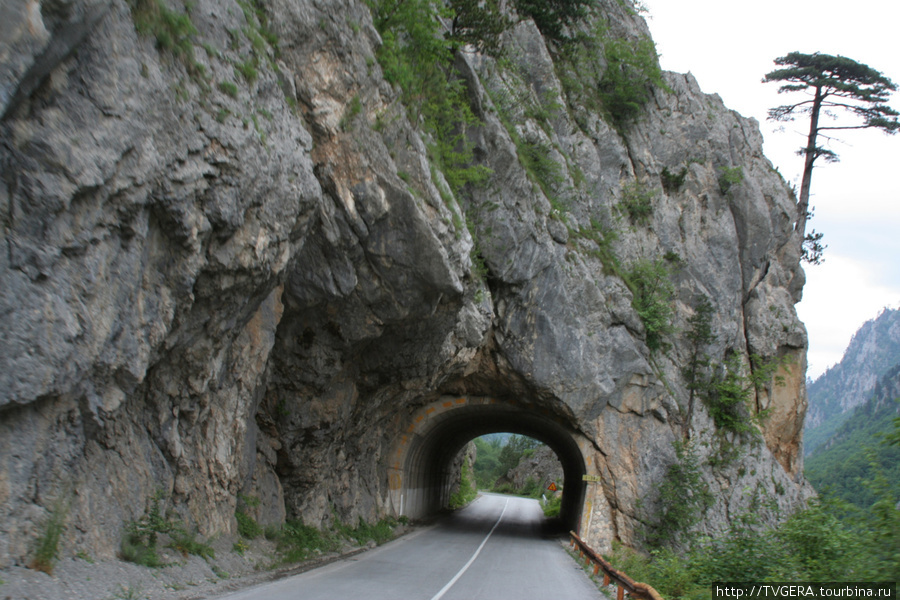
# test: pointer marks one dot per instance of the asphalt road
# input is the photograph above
(497, 547)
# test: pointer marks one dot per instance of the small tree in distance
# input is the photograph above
(831, 83)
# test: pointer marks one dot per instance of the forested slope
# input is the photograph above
(856, 451)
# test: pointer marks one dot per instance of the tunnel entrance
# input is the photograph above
(420, 473)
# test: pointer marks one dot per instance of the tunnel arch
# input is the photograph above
(420, 465)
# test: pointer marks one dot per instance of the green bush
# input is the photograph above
(877, 529)
(172, 31)
(730, 177)
(744, 554)
(467, 490)
(683, 499)
(817, 542)
(552, 506)
(729, 396)
(699, 336)
(258, 28)
(532, 488)
(478, 22)
(632, 72)
(137, 549)
(637, 202)
(672, 182)
(827, 541)
(653, 294)
(552, 17)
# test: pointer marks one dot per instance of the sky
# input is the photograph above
(729, 47)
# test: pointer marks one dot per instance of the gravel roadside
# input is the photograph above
(184, 577)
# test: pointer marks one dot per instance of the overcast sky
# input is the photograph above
(729, 47)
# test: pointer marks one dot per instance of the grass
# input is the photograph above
(298, 542)
(47, 550)
(128, 593)
(603, 239)
(240, 546)
(536, 158)
(229, 88)
(247, 70)
(247, 526)
(380, 532)
(141, 540)
(174, 32)
(353, 109)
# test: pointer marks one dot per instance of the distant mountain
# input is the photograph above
(874, 349)
(843, 460)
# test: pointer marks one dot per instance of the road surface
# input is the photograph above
(492, 549)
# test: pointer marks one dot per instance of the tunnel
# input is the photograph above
(421, 475)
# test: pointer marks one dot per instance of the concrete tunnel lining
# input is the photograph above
(431, 443)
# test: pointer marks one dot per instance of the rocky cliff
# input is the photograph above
(537, 469)
(233, 265)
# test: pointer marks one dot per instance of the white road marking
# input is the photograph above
(456, 577)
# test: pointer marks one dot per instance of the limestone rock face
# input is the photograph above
(541, 467)
(218, 284)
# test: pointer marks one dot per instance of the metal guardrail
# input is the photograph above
(624, 583)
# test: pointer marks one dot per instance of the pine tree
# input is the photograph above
(832, 83)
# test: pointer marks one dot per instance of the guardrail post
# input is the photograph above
(620, 592)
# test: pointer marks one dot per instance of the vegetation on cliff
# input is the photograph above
(824, 542)
(497, 456)
(850, 535)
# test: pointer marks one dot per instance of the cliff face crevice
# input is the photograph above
(238, 269)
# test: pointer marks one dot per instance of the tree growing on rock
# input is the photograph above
(833, 85)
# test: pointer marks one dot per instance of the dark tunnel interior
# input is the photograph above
(432, 450)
